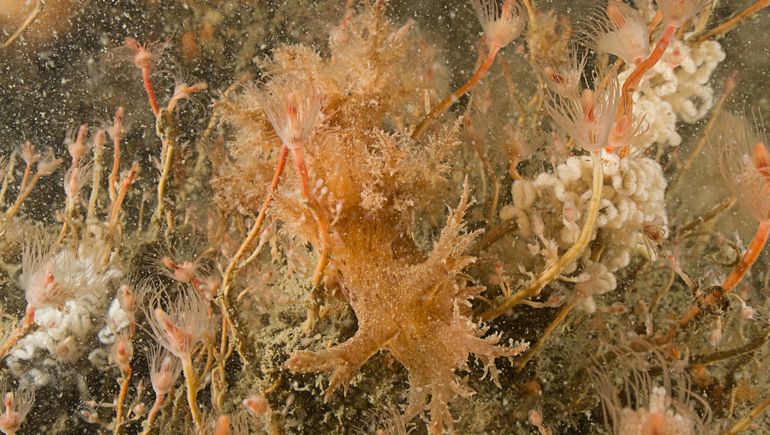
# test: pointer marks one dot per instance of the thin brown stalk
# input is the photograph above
(724, 205)
(751, 346)
(167, 135)
(563, 313)
(116, 133)
(734, 21)
(493, 235)
(23, 196)
(490, 172)
(96, 179)
(27, 22)
(7, 178)
(26, 175)
(531, 13)
(192, 391)
(744, 422)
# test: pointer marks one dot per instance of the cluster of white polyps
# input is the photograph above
(117, 320)
(65, 329)
(552, 206)
(676, 89)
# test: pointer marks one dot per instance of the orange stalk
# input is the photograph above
(749, 257)
(19, 332)
(635, 78)
(739, 271)
(255, 228)
(298, 155)
(456, 95)
(233, 266)
(12, 339)
(656, 20)
(115, 212)
(279, 168)
(143, 60)
(150, 91)
(121, 400)
(153, 413)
